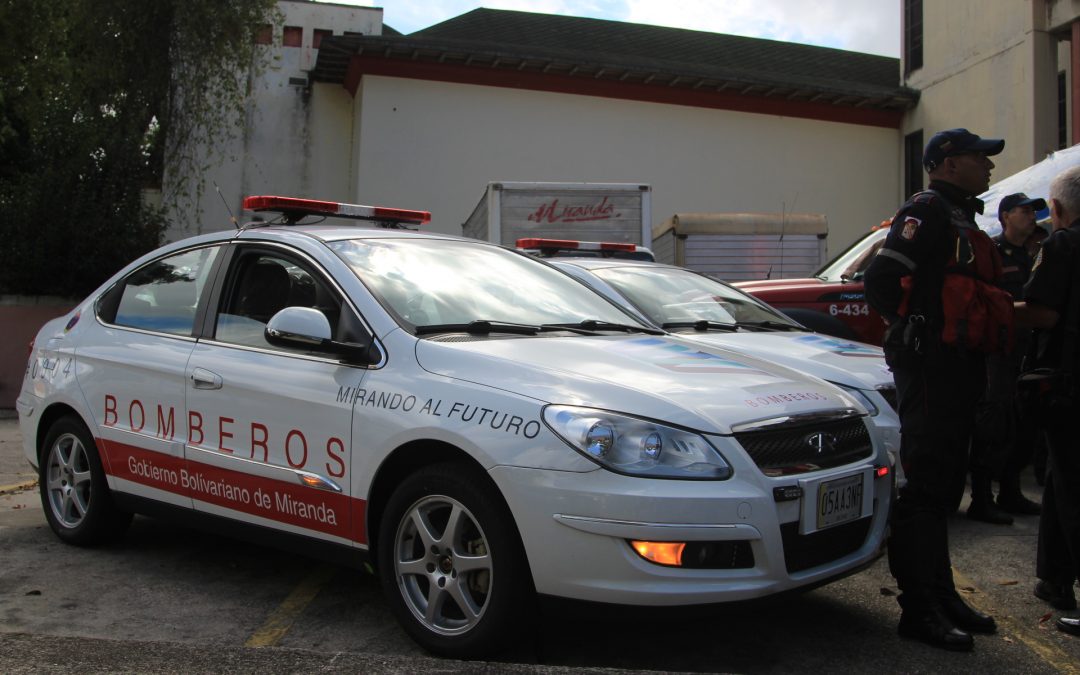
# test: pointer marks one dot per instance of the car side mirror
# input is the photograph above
(309, 329)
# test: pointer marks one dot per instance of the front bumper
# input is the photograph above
(575, 528)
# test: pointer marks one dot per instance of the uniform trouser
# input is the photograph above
(936, 400)
(1058, 558)
(1019, 454)
(1003, 441)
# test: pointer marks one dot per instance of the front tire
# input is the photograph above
(451, 563)
(74, 492)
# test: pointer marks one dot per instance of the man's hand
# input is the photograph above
(1035, 316)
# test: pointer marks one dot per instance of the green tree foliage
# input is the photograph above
(94, 95)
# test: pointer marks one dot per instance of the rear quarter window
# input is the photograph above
(161, 296)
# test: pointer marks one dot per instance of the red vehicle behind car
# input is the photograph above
(833, 300)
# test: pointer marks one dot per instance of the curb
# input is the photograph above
(18, 487)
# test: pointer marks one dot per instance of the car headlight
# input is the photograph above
(863, 398)
(636, 447)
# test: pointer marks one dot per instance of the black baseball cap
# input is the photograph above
(1009, 202)
(957, 142)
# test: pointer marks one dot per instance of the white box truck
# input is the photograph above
(743, 246)
(611, 212)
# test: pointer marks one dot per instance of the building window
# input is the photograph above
(913, 168)
(913, 35)
(264, 34)
(1063, 112)
(318, 37)
(292, 36)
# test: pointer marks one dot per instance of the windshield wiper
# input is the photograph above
(593, 325)
(770, 325)
(480, 327)
(701, 326)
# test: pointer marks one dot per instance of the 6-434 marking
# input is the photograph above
(849, 309)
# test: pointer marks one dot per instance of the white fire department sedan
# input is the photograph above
(478, 426)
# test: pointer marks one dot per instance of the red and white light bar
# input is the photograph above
(571, 244)
(294, 206)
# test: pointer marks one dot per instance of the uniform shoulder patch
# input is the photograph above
(911, 226)
(924, 198)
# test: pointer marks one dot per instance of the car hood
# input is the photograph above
(852, 364)
(660, 377)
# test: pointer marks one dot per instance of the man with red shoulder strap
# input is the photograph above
(933, 281)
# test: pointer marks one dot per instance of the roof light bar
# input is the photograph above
(536, 242)
(294, 207)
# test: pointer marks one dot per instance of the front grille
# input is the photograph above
(803, 551)
(808, 447)
(889, 394)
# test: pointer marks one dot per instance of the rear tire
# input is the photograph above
(451, 563)
(74, 492)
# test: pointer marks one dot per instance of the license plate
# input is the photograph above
(839, 501)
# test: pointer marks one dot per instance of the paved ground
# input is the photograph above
(174, 600)
(15, 471)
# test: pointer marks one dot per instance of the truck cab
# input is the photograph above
(833, 300)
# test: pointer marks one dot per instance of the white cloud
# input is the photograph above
(867, 25)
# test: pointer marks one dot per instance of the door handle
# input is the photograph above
(202, 378)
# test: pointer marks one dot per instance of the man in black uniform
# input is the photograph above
(1017, 213)
(938, 382)
(1051, 304)
(1004, 440)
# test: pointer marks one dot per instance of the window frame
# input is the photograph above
(228, 276)
(913, 35)
(913, 167)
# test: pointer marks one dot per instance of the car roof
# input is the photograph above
(608, 263)
(321, 231)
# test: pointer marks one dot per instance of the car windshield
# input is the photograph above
(852, 263)
(670, 296)
(440, 282)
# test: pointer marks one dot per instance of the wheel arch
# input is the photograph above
(49, 416)
(406, 460)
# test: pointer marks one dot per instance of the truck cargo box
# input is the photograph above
(743, 246)
(615, 212)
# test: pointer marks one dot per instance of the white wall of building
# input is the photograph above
(434, 146)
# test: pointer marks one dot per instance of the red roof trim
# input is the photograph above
(366, 64)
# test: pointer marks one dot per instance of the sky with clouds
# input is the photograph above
(858, 25)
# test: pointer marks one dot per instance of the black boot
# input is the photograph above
(967, 618)
(933, 628)
(982, 503)
(1013, 501)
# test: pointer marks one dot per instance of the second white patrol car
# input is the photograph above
(478, 426)
(712, 312)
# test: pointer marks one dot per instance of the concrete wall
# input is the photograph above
(434, 146)
(295, 139)
(22, 317)
(991, 66)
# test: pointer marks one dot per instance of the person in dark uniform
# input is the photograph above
(1004, 440)
(1051, 304)
(939, 380)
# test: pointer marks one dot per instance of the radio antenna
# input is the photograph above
(232, 218)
